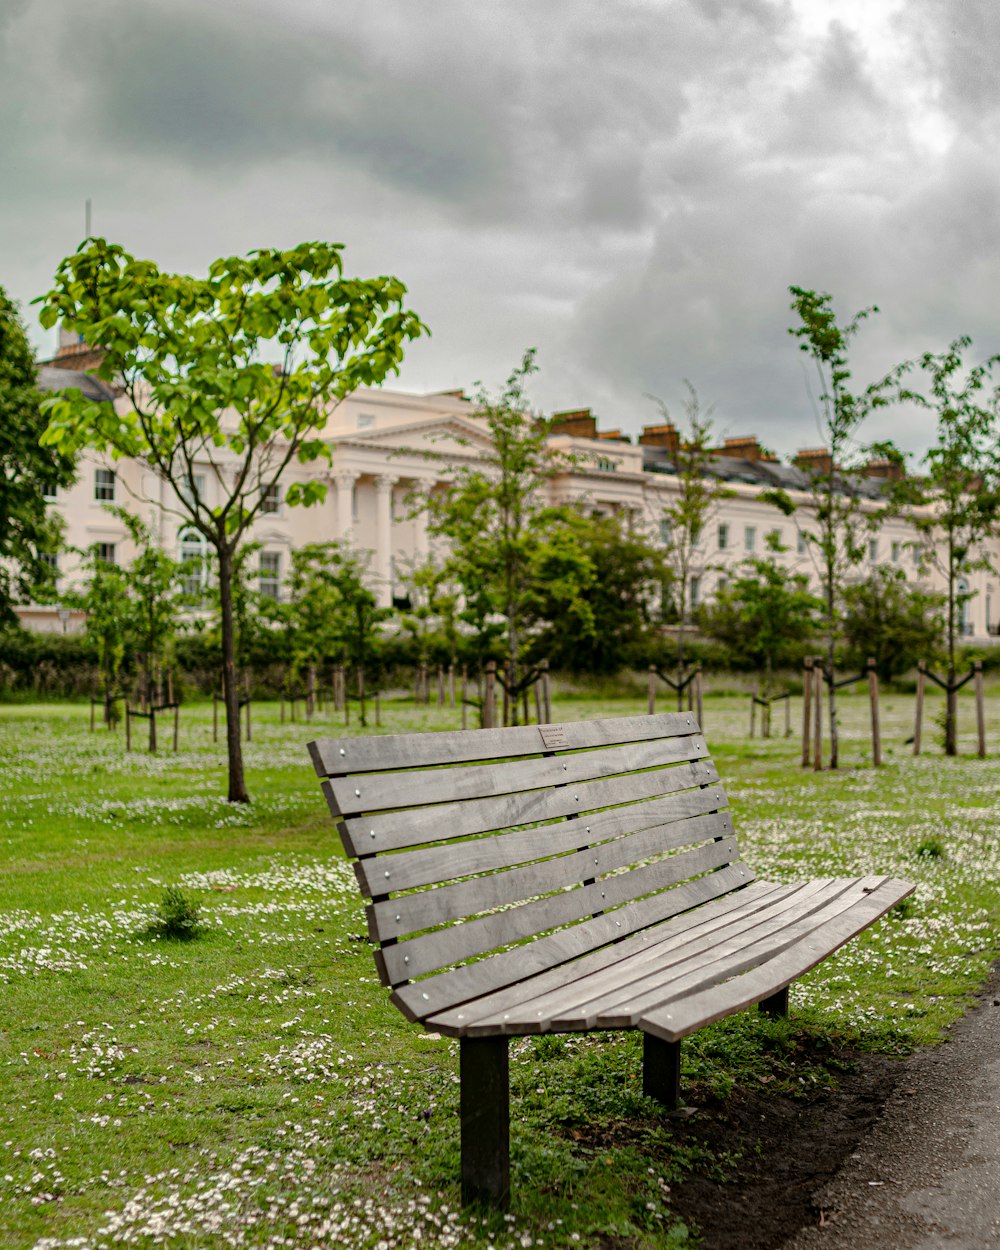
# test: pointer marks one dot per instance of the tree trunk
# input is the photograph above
(831, 677)
(230, 690)
(950, 698)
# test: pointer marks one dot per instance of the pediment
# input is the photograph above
(447, 437)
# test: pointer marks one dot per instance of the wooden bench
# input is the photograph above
(569, 877)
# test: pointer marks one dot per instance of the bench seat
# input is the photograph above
(566, 878)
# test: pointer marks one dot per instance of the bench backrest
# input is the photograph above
(489, 855)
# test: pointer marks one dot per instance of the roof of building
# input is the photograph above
(52, 379)
(762, 473)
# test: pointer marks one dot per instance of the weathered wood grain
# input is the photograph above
(335, 757)
(391, 831)
(460, 1019)
(674, 1020)
(416, 956)
(573, 1004)
(449, 783)
(444, 861)
(719, 965)
(395, 918)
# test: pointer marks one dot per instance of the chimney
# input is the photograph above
(814, 460)
(745, 447)
(448, 395)
(614, 436)
(661, 436)
(578, 423)
(890, 470)
(74, 353)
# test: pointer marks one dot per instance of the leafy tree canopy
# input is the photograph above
(28, 470)
(888, 619)
(193, 357)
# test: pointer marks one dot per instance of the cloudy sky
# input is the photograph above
(628, 187)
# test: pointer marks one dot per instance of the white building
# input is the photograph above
(390, 450)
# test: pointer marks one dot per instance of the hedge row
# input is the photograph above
(65, 666)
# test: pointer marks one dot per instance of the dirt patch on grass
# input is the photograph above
(783, 1150)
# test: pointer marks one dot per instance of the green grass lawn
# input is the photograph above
(254, 1088)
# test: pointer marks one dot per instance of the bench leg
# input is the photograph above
(485, 1118)
(661, 1070)
(776, 1005)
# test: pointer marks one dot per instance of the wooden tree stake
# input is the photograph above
(876, 723)
(980, 710)
(651, 691)
(817, 717)
(698, 702)
(918, 719)
(490, 696)
(807, 685)
(465, 691)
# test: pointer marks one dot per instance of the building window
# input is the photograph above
(749, 537)
(605, 465)
(106, 552)
(193, 488)
(271, 503)
(50, 491)
(896, 550)
(192, 552)
(774, 539)
(51, 561)
(104, 485)
(270, 574)
(723, 536)
(695, 591)
(873, 549)
(802, 543)
(666, 531)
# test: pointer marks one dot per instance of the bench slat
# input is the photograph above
(656, 962)
(432, 951)
(702, 920)
(334, 757)
(385, 791)
(447, 860)
(454, 986)
(391, 831)
(675, 1020)
(717, 966)
(394, 918)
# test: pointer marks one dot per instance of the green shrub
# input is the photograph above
(176, 917)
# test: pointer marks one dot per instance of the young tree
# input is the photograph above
(361, 615)
(684, 523)
(602, 618)
(105, 601)
(28, 472)
(888, 619)
(315, 610)
(154, 586)
(960, 491)
(836, 505)
(493, 517)
(764, 615)
(190, 355)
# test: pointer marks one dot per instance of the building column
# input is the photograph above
(345, 480)
(421, 546)
(383, 538)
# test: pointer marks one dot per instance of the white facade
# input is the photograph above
(391, 450)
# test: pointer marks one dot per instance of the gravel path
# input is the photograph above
(927, 1177)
